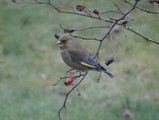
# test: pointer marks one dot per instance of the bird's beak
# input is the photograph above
(59, 44)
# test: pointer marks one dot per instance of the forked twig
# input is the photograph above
(64, 104)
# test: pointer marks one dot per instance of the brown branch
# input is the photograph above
(110, 11)
(113, 25)
(75, 36)
(108, 20)
(92, 27)
(72, 12)
(144, 37)
(66, 97)
(85, 38)
(118, 8)
(143, 9)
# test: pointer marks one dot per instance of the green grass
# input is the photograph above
(30, 63)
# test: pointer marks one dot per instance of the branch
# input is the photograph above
(92, 27)
(113, 25)
(67, 30)
(144, 37)
(142, 9)
(66, 97)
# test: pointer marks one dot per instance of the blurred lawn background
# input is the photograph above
(30, 64)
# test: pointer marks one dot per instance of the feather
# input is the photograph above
(87, 65)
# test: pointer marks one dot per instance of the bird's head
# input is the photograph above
(65, 42)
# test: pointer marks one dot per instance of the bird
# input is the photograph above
(77, 56)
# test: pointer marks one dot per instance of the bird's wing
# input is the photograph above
(83, 58)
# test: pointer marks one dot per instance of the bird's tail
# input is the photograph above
(108, 73)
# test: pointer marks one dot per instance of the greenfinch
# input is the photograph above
(77, 57)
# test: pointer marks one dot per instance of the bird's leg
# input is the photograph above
(68, 71)
(61, 78)
(71, 77)
(72, 73)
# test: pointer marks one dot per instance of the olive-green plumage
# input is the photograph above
(78, 57)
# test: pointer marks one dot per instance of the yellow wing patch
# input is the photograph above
(85, 64)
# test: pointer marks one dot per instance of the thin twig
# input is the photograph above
(110, 11)
(114, 24)
(61, 78)
(114, 41)
(144, 37)
(92, 27)
(118, 8)
(67, 2)
(143, 9)
(83, 38)
(64, 104)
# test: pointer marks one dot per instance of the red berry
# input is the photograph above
(69, 81)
